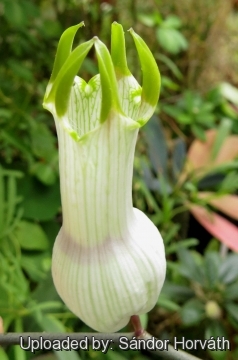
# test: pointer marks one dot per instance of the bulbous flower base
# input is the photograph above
(104, 285)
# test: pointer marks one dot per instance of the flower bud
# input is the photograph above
(108, 258)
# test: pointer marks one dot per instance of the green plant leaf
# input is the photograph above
(171, 40)
(10, 213)
(14, 285)
(44, 172)
(189, 268)
(167, 303)
(231, 308)
(15, 14)
(49, 323)
(12, 139)
(192, 312)
(46, 306)
(19, 353)
(229, 185)
(210, 181)
(51, 229)
(172, 21)
(31, 236)
(212, 263)
(171, 65)
(45, 290)
(36, 266)
(43, 142)
(229, 92)
(148, 179)
(177, 292)
(156, 141)
(168, 83)
(35, 205)
(231, 292)
(178, 157)
(50, 29)
(198, 132)
(171, 233)
(4, 299)
(223, 132)
(172, 111)
(3, 354)
(216, 330)
(150, 19)
(20, 70)
(184, 118)
(228, 270)
(182, 244)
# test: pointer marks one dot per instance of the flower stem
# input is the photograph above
(136, 323)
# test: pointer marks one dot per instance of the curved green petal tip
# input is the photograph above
(60, 92)
(110, 97)
(63, 52)
(111, 67)
(150, 71)
(64, 48)
(118, 49)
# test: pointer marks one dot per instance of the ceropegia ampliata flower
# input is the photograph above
(108, 259)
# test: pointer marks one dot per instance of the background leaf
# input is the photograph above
(31, 236)
(157, 145)
(192, 312)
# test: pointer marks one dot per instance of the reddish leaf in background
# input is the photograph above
(200, 161)
(219, 227)
(229, 150)
(1, 326)
(199, 154)
(228, 204)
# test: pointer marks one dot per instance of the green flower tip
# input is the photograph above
(118, 50)
(150, 71)
(112, 67)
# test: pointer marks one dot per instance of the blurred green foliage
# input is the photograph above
(199, 298)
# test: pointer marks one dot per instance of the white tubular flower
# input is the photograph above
(108, 258)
